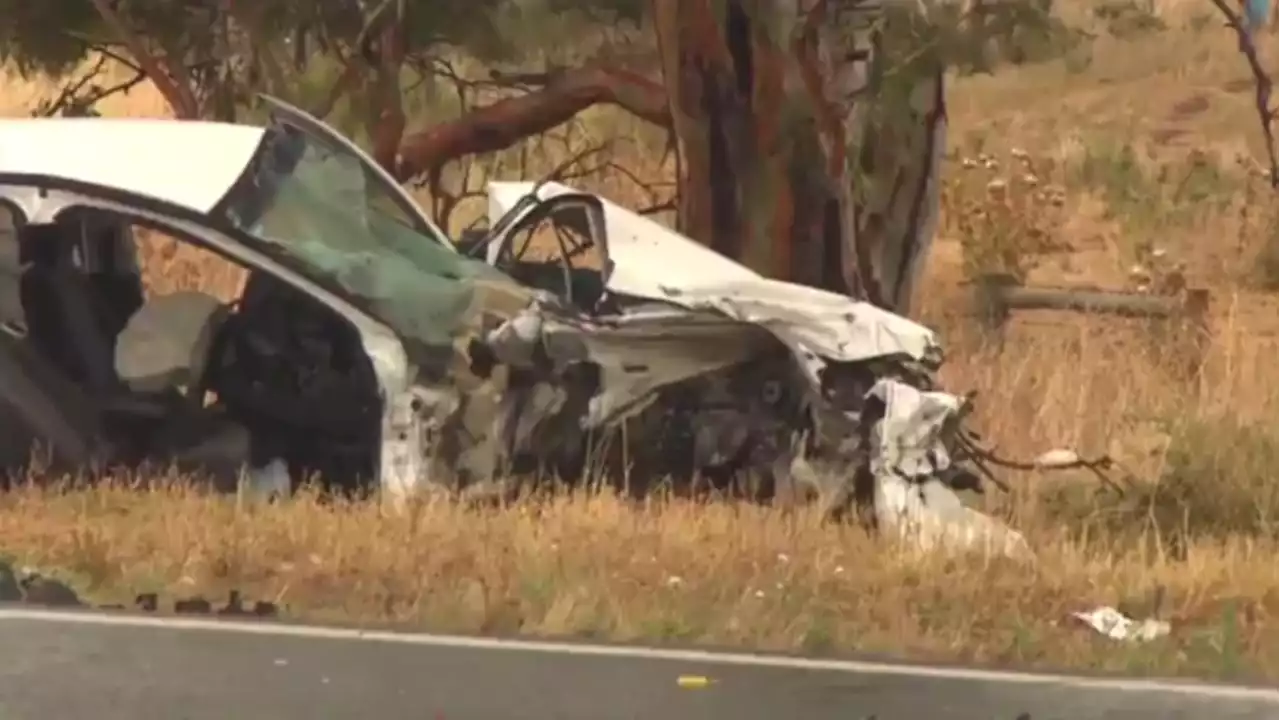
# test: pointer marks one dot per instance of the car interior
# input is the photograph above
(557, 249)
(78, 288)
(73, 316)
(137, 372)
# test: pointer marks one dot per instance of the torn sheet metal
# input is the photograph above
(643, 353)
(909, 458)
(909, 437)
(646, 255)
(822, 323)
(650, 261)
(691, 312)
(636, 355)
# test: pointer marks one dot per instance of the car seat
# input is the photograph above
(58, 301)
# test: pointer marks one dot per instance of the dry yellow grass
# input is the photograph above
(708, 573)
(1198, 527)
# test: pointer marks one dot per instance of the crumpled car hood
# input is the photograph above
(653, 262)
(910, 453)
(813, 322)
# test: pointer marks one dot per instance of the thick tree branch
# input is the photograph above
(506, 122)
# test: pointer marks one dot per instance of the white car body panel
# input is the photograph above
(189, 164)
(647, 256)
(654, 262)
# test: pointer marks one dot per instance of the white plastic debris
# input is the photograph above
(1056, 459)
(1114, 624)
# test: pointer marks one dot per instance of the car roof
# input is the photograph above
(187, 163)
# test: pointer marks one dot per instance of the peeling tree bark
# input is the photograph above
(794, 161)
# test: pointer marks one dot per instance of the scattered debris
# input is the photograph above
(193, 606)
(47, 592)
(31, 587)
(1113, 624)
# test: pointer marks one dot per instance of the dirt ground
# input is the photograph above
(1128, 164)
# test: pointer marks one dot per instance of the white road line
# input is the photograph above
(637, 653)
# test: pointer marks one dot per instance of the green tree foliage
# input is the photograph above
(45, 37)
(53, 36)
(261, 39)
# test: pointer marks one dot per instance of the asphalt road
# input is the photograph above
(107, 667)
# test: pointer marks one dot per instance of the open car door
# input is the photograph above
(558, 244)
(282, 113)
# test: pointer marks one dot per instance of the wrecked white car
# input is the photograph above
(583, 340)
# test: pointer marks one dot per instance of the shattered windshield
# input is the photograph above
(320, 209)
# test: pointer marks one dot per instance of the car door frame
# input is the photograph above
(284, 113)
(401, 465)
(525, 217)
(17, 219)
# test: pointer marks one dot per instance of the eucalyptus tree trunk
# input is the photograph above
(810, 134)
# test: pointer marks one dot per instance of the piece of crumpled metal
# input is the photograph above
(909, 457)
